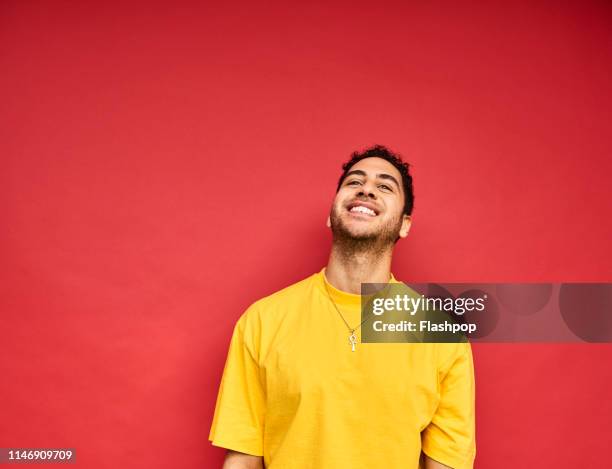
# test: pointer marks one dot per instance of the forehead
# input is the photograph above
(373, 166)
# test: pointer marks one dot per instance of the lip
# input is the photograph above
(358, 203)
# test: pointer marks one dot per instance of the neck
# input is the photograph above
(347, 269)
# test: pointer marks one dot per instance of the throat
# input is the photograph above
(346, 271)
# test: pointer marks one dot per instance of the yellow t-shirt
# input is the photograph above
(293, 391)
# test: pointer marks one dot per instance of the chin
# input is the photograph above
(355, 230)
(362, 234)
(358, 234)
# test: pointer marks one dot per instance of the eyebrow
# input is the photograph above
(359, 172)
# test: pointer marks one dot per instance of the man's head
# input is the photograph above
(374, 198)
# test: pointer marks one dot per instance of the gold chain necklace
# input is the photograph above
(352, 336)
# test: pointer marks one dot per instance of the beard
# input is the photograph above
(373, 241)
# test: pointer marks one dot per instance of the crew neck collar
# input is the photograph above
(340, 296)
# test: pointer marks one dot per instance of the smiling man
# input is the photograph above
(300, 390)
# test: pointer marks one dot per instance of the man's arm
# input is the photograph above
(449, 439)
(236, 460)
(238, 421)
(431, 464)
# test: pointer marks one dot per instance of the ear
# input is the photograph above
(328, 222)
(406, 223)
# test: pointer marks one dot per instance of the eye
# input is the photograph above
(385, 187)
(352, 183)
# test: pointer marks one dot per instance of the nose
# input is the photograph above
(367, 190)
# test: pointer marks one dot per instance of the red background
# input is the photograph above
(165, 164)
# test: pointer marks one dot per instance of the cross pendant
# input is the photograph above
(353, 340)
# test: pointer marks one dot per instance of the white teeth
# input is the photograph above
(366, 210)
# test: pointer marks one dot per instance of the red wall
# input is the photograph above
(164, 165)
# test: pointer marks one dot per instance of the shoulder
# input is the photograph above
(446, 355)
(294, 292)
(274, 307)
(258, 324)
(451, 355)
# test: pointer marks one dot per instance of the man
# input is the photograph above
(300, 391)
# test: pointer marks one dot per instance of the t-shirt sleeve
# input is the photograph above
(450, 436)
(238, 421)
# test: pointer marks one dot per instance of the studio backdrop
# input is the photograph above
(165, 164)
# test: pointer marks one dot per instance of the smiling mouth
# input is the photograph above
(362, 210)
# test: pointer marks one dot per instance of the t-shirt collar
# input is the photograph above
(339, 296)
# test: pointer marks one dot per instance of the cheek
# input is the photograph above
(394, 210)
(338, 204)
(335, 210)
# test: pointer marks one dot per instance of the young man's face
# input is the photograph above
(370, 203)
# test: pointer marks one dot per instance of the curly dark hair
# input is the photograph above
(380, 151)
